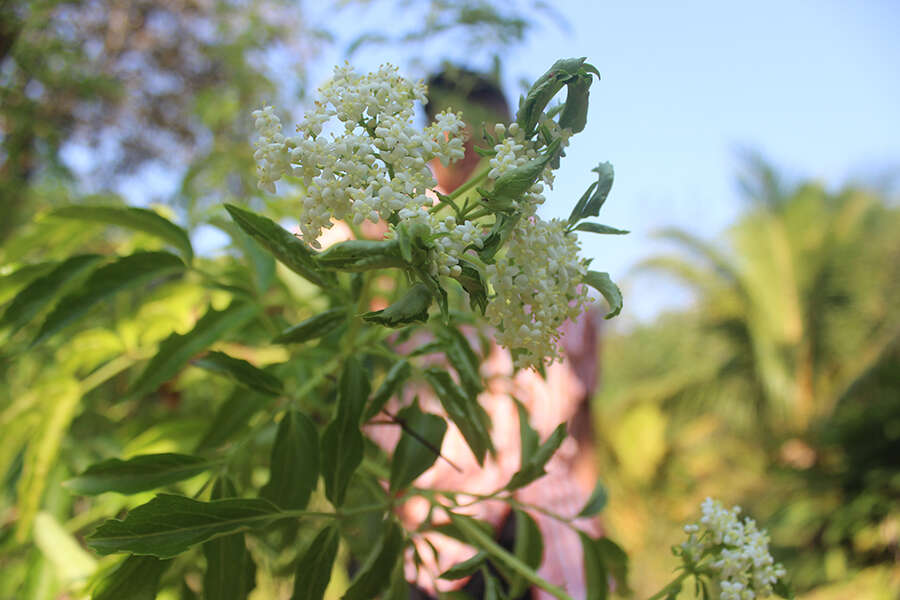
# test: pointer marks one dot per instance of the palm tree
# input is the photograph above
(804, 293)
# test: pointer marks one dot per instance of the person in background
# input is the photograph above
(562, 397)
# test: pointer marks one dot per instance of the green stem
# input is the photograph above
(468, 185)
(111, 369)
(673, 586)
(483, 541)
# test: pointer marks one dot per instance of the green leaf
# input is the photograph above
(136, 578)
(464, 411)
(574, 115)
(528, 437)
(70, 561)
(465, 568)
(471, 281)
(393, 383)
(294, 468)
(598, 228)
(230, 572)
(511, 185)
(419, 446)
(595, 571)
(399, 588)
(240, 371)
(463, 359)
(528, 548)
(605, 176)
(125, 273)
(169, 525)
(534, 467)
(314, 568)
(342, 441)
(543, 90)
(232, 417)
(411, 308)
(260, 262)
(362, 255)
(578, 209)
(313, 327)
(597, 501)
(41, 292)
(138, 219)
(177, 349)
(503, 227)
(342, 453)
(375, 574)
(616, 561)
(603, 284)
(784, 589)
(138, 474)
(12, 283)
(289, 250)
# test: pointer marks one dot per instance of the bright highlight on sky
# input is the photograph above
(813, 86)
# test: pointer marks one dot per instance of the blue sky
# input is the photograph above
(814, 86)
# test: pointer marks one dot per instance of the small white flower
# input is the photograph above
(744, 565)
(537, 287)
(374, 165)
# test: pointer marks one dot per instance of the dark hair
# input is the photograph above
(456, 85)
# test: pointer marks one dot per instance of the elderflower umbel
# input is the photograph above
(513, 150)
(374, 165)
(738, 551)
(537, 287)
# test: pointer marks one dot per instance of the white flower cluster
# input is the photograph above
(451, 241)
(744, 567)
(513, 150)
(374, 164)
(537, 286)
(271, 154)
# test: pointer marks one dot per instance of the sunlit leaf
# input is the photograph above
(69, 559)
(41, 292)
(290, 251)
(138, 219)
(125, 273)
(175, 351)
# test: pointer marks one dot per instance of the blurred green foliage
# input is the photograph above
(779, 390)
(129, 86)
